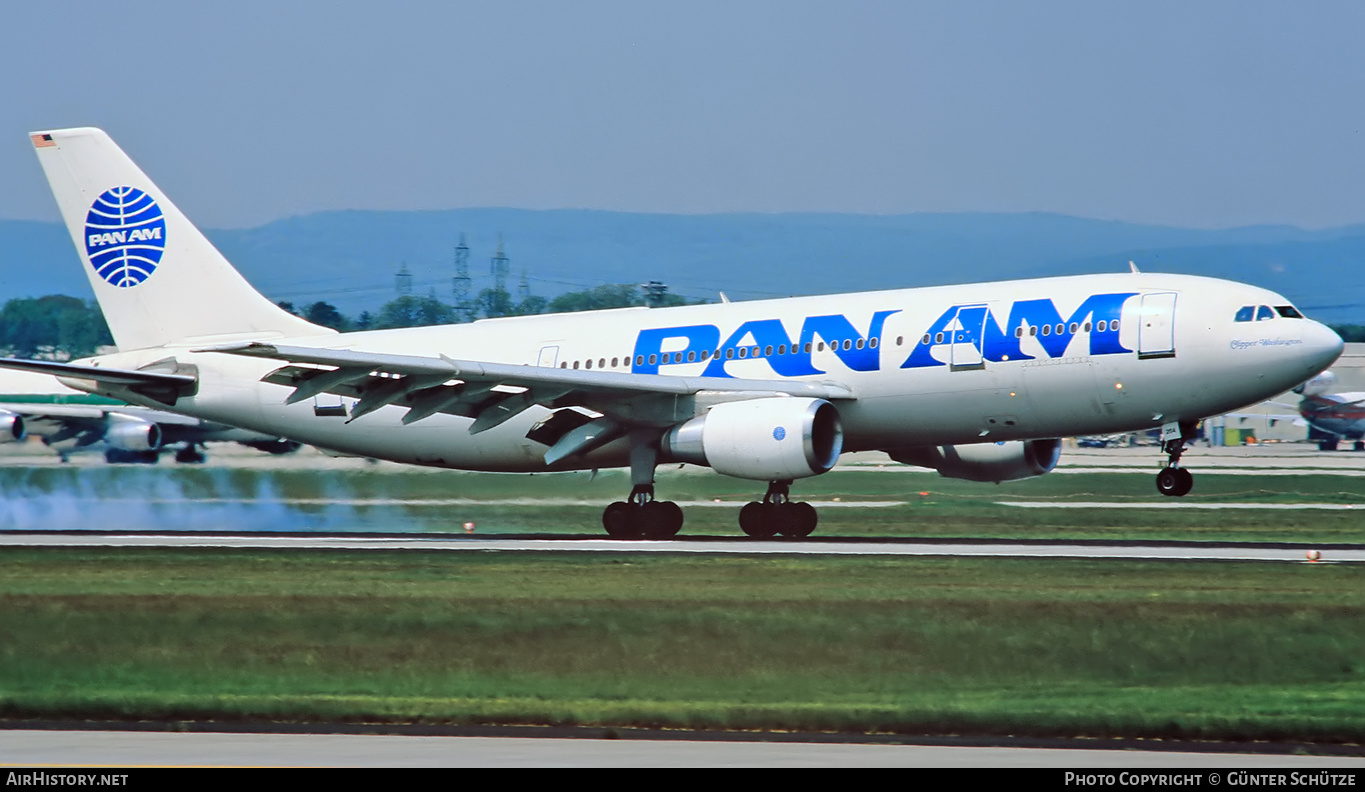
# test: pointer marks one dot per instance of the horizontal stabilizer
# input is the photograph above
(100, 374)
(162, 386)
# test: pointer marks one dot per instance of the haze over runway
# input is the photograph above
(1208, 115)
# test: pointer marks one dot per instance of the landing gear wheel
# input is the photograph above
(118, 456)
(778, 514)
(1174, 482)
(649, 519)
(796, 520)
(619, 520)
(674, 522)
(756, 520)
(190, 456)
(659, 519)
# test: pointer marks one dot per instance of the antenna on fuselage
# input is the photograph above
(1133, 267)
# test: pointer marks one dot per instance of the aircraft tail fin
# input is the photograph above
(158, 280)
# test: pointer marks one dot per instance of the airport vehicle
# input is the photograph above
(1332, 416)
(72, 422)
(976, 381)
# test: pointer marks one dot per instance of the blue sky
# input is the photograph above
(1199, 114)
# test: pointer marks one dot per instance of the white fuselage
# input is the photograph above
(1136, 351)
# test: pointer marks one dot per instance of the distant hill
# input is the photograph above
(350, 258)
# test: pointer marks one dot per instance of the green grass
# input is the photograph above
(134, 498)
(1229, 650)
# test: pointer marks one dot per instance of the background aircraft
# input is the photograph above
(69, 422)
(1332, 416)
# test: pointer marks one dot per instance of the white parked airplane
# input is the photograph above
(72, 422)
(977, 381)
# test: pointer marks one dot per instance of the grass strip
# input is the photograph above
(1039, 647)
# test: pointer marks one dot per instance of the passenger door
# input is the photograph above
(1156, 328)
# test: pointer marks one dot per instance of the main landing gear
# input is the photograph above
(1174, 481)
(778, 514)
(190, 454)
(642, 517)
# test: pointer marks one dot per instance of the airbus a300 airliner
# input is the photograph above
(977, 381)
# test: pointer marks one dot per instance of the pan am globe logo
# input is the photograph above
(125, 236)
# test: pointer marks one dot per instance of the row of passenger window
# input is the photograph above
(1260, 313)
(1246, 313)
(731, 353)
(1046, 330)
(741, 353)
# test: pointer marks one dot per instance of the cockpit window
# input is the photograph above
(1245, 313)
(1263, 313)
(1289, 312)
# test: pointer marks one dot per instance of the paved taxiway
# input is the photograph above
(130, 749)
(1185, 551)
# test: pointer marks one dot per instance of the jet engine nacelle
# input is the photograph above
(769, 439)
(11, 427)
(1317, 385)
(997, 462)
(127, 433)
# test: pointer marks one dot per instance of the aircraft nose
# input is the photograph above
(1322, 347)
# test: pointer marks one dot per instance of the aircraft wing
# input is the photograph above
(76, 413)
(492, 393)
(61, 422)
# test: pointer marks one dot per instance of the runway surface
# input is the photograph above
(1174, 551)
(1183, 505)
(143, 749)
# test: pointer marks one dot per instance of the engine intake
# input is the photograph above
(997, 462)
(769, 439)
(11, 427)
(127, 433)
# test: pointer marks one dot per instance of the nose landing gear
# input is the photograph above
(1175, 481)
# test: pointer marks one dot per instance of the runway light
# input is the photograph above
(469, 527)
(1314, 555)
